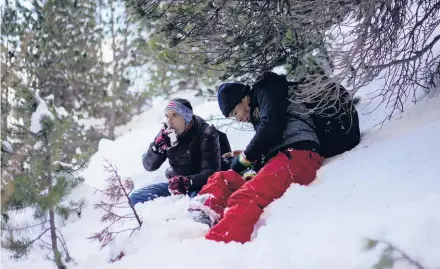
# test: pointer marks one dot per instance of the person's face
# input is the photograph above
(242, 111)
(175, 121)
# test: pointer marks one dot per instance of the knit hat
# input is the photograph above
(229, 95)
(181, 109)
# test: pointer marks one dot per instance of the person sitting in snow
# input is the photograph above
(285, 147)
(192, 148)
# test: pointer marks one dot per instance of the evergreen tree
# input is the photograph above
(44, 183)
(126, 64)
(241, 38)
(62, 62)
(172, 71)
(63, 58)
(386, 39)
(14, 42)
(66, 62)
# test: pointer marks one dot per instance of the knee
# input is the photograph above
(229, 177)
(242, 195)
(250, 194)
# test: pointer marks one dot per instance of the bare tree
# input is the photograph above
(397, 41)
(116, 198)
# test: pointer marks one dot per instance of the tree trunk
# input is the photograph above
(53, 233)
(101, 23)
(112, 123)
(5, 88)
(53, 238)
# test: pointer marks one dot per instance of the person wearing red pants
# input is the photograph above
(284, 150)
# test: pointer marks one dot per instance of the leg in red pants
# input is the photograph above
(212, 198)
(247, 203)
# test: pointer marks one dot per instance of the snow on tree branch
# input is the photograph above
(6, 147)
(63, 165)
(39, 114)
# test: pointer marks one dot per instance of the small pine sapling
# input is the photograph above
(115, 203)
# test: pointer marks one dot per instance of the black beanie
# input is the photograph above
(229, 95)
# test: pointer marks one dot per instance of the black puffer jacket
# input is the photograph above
(279, 124)
(197, 155)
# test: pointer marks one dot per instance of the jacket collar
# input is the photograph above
(192, 129)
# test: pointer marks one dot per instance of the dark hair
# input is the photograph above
(246, 90)
(183, 102)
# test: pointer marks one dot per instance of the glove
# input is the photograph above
(179, 185)
(249, 174)
(229, 156)
(162, 141)
(240, 163)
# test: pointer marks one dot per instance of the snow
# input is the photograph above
(38, 145)
(386, 188)
(61, 111)
(64, 165)
(92, 122)
(6, 146)
(39, 113)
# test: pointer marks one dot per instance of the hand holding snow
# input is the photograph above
(172, 135)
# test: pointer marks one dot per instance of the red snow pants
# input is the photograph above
(245, 201)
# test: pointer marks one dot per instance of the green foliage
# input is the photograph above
(45, 183)
(174, 69)
(236, 39)
(57, 46)
(21, 246)
(370, 244)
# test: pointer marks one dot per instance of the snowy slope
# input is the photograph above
(388, 187)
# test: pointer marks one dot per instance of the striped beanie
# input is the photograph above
(181, 109)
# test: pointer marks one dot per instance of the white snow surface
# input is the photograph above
(388, 188)
(40, 112)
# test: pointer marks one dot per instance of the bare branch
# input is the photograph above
(116, 189)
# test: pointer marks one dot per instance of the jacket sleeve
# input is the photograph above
(152, 160)
(272, 103)
(210, 158)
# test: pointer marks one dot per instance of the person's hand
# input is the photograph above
(162, 141)
(232, 153)
(229, 156)
(179, 185)
(240, 163)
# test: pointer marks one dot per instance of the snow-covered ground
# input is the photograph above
(388, 187)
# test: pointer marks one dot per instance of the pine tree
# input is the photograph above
(63, 61)
(14, 41)
(44, 184)
(125, 66)
(240, 38)
(171, 71)
(63, 57)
